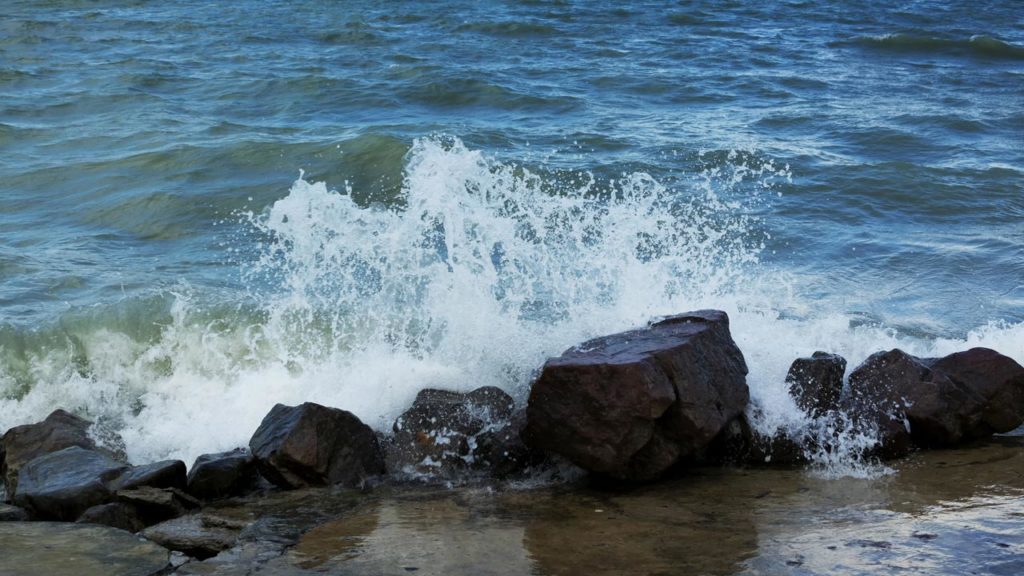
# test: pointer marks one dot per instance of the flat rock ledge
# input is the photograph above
(61, 549)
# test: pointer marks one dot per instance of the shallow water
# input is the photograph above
(943, 512)
(500, 182)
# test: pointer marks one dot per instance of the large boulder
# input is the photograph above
(631, 405)
(445, 432)
(63, 484)
(222, 474)
(935, 401)
(22, 444)
(313, 445)
(816, 383)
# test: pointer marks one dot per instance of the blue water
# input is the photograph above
(499, 182)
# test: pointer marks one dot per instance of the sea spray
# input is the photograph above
(480, 271)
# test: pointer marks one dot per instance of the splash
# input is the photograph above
(478, 272)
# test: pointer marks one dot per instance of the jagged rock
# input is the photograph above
(158, 504)
(313, 445)
(165, 474)
(740, 444)
(631, 405)
(222, 474)
(503, 453)
(194, 535)
(10, 513)
(817, 382)
(58, 431)
(121, 515)
(446, 432)
(63, 484)
(61, 549)
(936, 401)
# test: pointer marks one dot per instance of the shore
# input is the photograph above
(937, 512)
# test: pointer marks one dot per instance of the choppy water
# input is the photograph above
(483, 186)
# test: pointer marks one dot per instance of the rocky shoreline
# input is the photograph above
(635, 407)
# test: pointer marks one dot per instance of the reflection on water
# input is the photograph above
(943, 512)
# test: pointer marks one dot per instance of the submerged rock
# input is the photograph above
(222, 474)
(816, 383)
(313, 445)
(936, 401)
(445, 433)
(22, 444)
(195, 535)
(121, 515)
(631, 405)
(59, 549)
(63, 484)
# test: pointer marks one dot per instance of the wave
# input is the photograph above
(473, 275)
(980, 45)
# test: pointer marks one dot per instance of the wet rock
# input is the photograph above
(817, 382)
(446, 432)
(10, 513)
(996, 379)
(503, 452)
(222, 474)
(631, 405)
(194, 535)
(22, 444)
(63, 484)
(59, 549)
(165, 474)
(119, 515)
(740, 444)
(936, 401)
(313, 445)
(155, 505)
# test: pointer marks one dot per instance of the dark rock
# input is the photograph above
(22, 444)
(740, 444)
(158, 504)
(223, 474)
(445, 432)
(631, 405)
(10, 513)
(936, 401)
(61, 549)
(63, 484)
(165, 474)
(119, 515)
(313, 445)
(194, 535)
(996, 379)
(503, 452)
(817, 382)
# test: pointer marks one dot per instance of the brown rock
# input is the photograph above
(817, 382)
(630, 405)
(313, 445)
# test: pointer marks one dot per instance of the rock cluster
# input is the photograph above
(630, 406)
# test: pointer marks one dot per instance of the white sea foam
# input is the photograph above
(482, 273)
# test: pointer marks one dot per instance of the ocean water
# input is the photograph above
(209, 208)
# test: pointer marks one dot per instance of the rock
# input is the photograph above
(445, 432)
(503, 453)
(817, 382)
(223, 474)
(24, 443)
(313, 445)
(999, 382)
(937, 401)
(740, 444)
(165, 474)
(59, 549)
(119, 515)
(10, 513)
(155, 505)
(631, 405)
(63, 484)
(194, 535)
